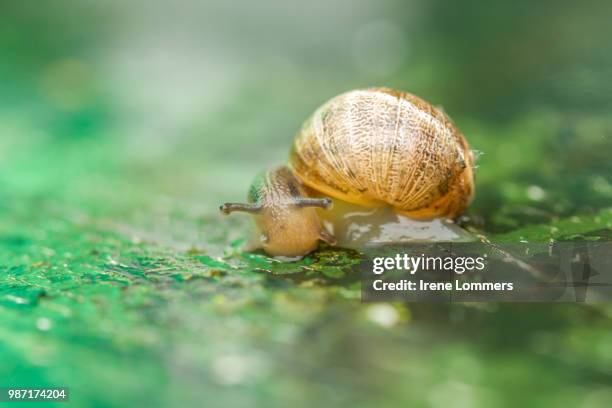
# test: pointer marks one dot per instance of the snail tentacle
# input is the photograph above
(325, 203)
(325, 236)
(229, 208)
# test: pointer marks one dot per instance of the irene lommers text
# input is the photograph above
(408, 285)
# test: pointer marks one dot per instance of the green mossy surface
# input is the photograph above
(119, 279)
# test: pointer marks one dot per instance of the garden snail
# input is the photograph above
(373, 151)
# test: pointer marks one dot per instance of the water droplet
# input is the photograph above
(43, 324)
(231, 369)
(384, 315)
(535, 193)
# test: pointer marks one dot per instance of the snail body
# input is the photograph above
(371, 148)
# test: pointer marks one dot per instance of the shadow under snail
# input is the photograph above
(395, 168)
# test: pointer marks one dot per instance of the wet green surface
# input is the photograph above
(119, 280)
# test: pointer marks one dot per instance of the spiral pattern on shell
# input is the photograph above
(380, 146)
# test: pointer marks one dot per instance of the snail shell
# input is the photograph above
(379, 146)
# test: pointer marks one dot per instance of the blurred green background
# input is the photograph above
(123, 125)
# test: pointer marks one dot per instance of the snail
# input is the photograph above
(383, 157)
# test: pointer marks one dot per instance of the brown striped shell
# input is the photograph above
(379, 146)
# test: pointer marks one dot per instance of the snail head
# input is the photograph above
(286, 219)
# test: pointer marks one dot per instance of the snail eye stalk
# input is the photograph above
(324, 235)
(229, 208)
(325, 203)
